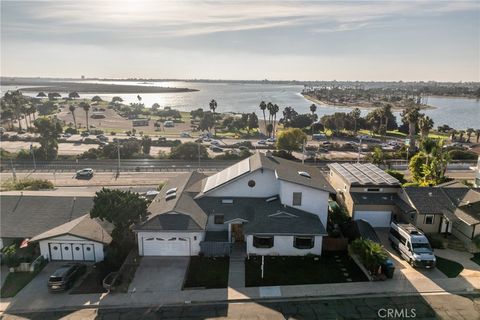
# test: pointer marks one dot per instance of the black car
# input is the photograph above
(64, 277)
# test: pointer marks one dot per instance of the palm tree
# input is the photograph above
(469, 133)
(425, 124)
(453, 132)
(477, 132)
(411, 114)
(313, 108)
(460, 135)
(86, 108)
(33, 110)
(72, 110)
(263, 106)
(275, 110)
(213, 107)
(269, 108)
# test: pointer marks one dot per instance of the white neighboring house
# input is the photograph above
(82, 239)
(270, 205)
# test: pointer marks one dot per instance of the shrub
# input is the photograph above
(370, 253)
(71, 131)
(28, 184)
(457, 154)
(411, 184)
(10, 256)
(397, 175)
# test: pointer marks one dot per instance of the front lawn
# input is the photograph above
(302, 270)
(450, 268)
(15, 282)
(207, 272)
(476, 258)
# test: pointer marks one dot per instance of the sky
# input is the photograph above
(275, 40)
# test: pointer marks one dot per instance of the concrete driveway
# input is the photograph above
(160, 274)
(403, 269)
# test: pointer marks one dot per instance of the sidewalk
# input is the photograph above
(412, 285)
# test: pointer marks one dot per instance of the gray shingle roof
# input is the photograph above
(28, 216)
(454, 202)
(83, 227)
(369, 198)
(181, 212)
(265, 217)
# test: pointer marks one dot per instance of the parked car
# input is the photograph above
(84, 173)
(326, 143)
(199, 140)
(272, 140)
(242, 148)
(319, 136)
(412, 244)
(102, 137)
(64, 277)
(67, 135)
(168, 124)
(206, 139)
(216, 149)
(262, 142)
(322, 150)
(85, 134)
(185, 135)
(215, 143)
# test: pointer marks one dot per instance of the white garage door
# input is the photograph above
(172, 246)
(72, 251)
(378, 219)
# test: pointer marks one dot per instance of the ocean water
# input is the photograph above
(459, 113)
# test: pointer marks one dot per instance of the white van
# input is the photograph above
(412, 244)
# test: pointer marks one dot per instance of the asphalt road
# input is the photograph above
(446, 306)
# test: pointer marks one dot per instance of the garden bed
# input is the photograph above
(207, 272)
(290, 270)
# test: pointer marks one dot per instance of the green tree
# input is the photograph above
(291, 140)
(470, 131)
(116, 100)
(377, 157)
(146, 144)
(53, 96)
(207, 122)
(189, 151)
(355, 114)
(96, 99)
(72, 110)
(213, 107)
(411, 115)
(73, 95)
(41, 94)
(123, 209)
(49, 131)
(252, 122)
(425, 123)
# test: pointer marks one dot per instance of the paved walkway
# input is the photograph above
(236, 272)
(3, 274)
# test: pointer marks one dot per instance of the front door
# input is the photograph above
(237, 232)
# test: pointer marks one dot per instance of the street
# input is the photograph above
(445, 306)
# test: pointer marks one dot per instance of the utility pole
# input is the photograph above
(359, 150)
(118, 153)
(33, 156)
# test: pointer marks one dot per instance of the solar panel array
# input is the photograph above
(227, 174)
(356, 173)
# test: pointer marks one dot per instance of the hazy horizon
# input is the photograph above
(303, 41)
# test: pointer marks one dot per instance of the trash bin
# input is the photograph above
(389, 268)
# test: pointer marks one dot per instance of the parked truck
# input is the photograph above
(412, 244)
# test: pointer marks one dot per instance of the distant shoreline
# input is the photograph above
(362, 105)
(99, 88)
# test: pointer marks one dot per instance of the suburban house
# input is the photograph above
(449, 208)
(368, 193)
(59, 224)
(272, 205)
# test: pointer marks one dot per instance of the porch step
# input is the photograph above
(455, 244)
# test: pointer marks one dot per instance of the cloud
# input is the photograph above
(157, 19)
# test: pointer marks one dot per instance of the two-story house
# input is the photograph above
(275, 206)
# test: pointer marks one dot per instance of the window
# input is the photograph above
(77, 248)
(195, 238)
(66, 248)
(429, 218)
(263, 241)
(373, 189)
(218, 219)
(88, 248)
(251, 183)
(297, 199)
(303, 242)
